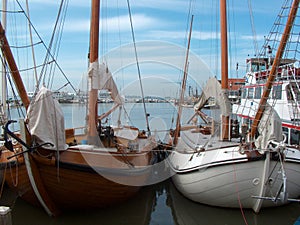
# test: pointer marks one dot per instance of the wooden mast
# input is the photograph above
(31, 167)
(272, 75)
(4, 22)
(93, 58)
(224, 65)
(13, 68)
(183, 86)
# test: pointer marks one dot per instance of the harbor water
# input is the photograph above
(157, 204)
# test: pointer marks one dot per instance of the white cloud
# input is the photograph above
(251, 37)
(176, 5)
(159, 34)
(114, 24)
(170, 5)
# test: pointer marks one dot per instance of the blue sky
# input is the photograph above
(161, 34)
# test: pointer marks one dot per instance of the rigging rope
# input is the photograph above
(20, 110)
(47, 49)
(252, 28)
(232, 44)
(52, 41)
(25, 46)
(120, 40)
(138, 68)
(9, 11)
(63, 11)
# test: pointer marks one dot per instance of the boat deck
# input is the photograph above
(191, 141)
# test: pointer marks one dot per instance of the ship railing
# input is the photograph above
(290, 71)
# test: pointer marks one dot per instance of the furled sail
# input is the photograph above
(102, 80)
(213, 89)
(269, 128)
(45, 120)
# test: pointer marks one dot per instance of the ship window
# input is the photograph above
(254, 67)
(257, 94)
(295, 89)
(250, 93)
(244, 93)
(295, 137)
(286, 132)
(276, 93)
(289, 92)
(248, 68)
(262, 67)
(297, 93)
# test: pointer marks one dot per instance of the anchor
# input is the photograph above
(8, 143)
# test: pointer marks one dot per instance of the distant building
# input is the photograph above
(234, 88)
(235, 84)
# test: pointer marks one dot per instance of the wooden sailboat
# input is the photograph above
(105, 166)
(221, 164)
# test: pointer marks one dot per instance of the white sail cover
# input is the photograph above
(269, 128)
(101, 79)
(213, 89)
(45, 120)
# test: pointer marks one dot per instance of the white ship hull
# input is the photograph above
(225, 177)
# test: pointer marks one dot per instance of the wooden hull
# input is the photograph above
(81, 179)
(6, 165)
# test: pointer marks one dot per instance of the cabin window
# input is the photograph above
(263, 67)
(286, 132)
(295, 137)
(254, 67)
(289, 92)
(296, 90)
(277, 93)
(244, 93)
(250, 93)
(257, 94)
(248, 68)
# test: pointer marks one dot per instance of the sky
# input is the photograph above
(160, 31)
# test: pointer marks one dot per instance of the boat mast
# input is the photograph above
(93, 58)
(272, 75)
(6, 51)
(4, 8)
(183, 86)
(224, 65)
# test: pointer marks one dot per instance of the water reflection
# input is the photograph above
(159, 204)
(136, 211)
(185, 211)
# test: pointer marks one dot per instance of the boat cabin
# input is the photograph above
(284, 95)
(260, 68)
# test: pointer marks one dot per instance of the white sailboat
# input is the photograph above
(222, 163)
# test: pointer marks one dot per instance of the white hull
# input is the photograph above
(226, 178)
